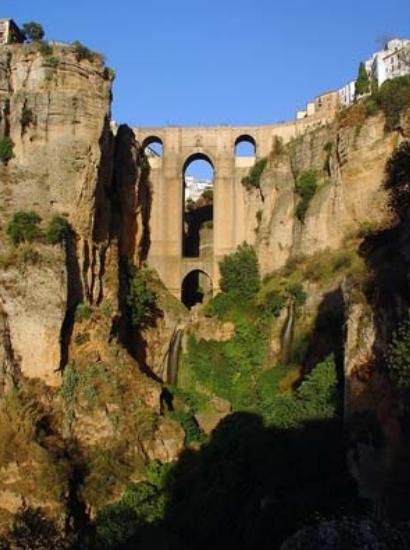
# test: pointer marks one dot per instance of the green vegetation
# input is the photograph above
(33, 31)
(306, 187)
(208, 195)
(398, 356)
(393, 97)
(140, 299)
(6, 149)
(240, 272)
(141, 504)
(82, 312)
(109, 73)
(363, 81)
(24, 227)
(82, 52)
(45, 49)
(255, 173)
(57, 230)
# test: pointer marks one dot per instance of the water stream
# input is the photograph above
(173, 356)
(287, 334)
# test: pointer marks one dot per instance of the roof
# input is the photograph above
(14, 24)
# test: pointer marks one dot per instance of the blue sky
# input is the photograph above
(185, 62)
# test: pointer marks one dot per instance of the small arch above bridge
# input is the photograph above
(245, 146)
(153, 147)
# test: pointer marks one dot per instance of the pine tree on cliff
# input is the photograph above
(362, 82)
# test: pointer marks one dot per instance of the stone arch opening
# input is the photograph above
(198, 197)
(245, 146)
(196, 288)
(153, 147)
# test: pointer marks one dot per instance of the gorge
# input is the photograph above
(128, 420)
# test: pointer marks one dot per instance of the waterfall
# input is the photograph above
(287, 334)
(173, 357)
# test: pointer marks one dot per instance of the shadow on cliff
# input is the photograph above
(130, 226)
(251, 486)
(328, 333)
(387, 290)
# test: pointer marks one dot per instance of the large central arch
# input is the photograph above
(197, 206)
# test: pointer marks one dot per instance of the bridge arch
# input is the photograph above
(197, 206)
(245, 146)
(196, 287)
(153, 146)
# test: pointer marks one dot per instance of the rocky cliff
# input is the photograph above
(63, 306)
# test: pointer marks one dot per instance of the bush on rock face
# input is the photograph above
(240, 272)
(6, 149)
(24, 227)
(57, 230)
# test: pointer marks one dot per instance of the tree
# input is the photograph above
(33, 31)
(57, 230)
(140, 299)
(23, 227)
(240, 272)
(363, 81)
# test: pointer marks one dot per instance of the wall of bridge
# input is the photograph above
(166, 176)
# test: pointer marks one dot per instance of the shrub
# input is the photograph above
(82, 52)
(295, 290)
(393, 97)
(45, 49)
(273, 303)
(71, 378)
(52, 61)
(306, 187)
(255, 173)
(240, 272)
(82, 312)
(363, 81)
(208, 195)
(140, 299)
(23, 227)
(109, 73)
(398, 356)
(193, 433)
(33, 31)
(6, 149)
(57, 230)
(318, 392)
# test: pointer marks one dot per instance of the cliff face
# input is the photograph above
(351, 162)
(63, 307)
(55, 108)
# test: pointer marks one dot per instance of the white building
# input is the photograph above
(10, 32)
(347, 93)
(195, 187)
(391, 62)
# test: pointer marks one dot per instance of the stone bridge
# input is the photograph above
(216, 144)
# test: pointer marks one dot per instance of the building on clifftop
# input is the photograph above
(10, 33)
